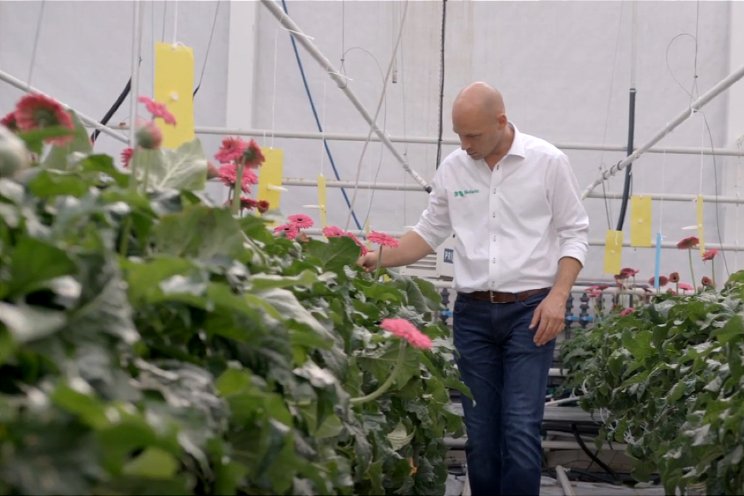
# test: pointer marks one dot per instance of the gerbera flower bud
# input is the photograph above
(149, 136)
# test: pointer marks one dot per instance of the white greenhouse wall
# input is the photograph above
(563, 67)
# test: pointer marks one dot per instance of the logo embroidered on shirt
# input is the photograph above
(464, 192)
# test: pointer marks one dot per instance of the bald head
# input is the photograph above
(479, 98)
(479, 119)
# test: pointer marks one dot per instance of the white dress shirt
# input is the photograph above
(512, 224)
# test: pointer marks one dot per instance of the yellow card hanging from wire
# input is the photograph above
(613, 252)
(322, 200)
(174, 86)
(701, 238)
(270, 177)
(640, 221)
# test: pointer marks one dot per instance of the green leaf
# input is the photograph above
(104, 165)
(261, 282)
(199, 232)
(35, 262)
(184, 168)
(35, 138)
(733, 329)
(334, 254)
(51, 183)
(61, 157)
(153, 463)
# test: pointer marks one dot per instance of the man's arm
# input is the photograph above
(550, 314)
(411, 248)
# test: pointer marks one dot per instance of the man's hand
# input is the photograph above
(369, 261)
(550, 314)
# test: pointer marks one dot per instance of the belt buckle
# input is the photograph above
(490, 296)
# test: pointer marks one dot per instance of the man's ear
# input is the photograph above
(502, 120)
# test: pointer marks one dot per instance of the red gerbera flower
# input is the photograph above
(404, 329)
(290, 231)
(35, 111)
(158, 110)
(263, 206)
(300, 220)
(231, 150)
(628, 272)
(382, 239)
(9, 121)
(248, 203)
(710, 254)
(689, 242)
(126, 156)
(707, 282)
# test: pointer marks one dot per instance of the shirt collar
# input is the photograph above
(517, 146)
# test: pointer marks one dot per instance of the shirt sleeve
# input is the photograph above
(569, 215)
(435, 226)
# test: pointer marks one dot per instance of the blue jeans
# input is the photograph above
(507, 374)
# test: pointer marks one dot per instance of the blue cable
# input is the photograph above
(317, 120)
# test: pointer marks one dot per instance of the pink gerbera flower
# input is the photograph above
(627, 312)
(36, 111)
(628, 272)
(707, 282)
(686, 286)
(674, 277)
(361, 246)
(9, 121)
(710, 254)
(228, 173)
(405, 330)
(662, 281)
(300, 220)
(290, 231)
(382, 239)
(126, 156)
(689, 242)
(333, 232)
(158, 110)
(231, 150)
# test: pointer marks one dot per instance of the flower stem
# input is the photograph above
(237, 188)
(692, 272)
(713, 271)
(388, 382)
(379, 263)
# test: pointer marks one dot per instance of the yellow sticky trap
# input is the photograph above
(270, 177)
(174, 86)
(640, 221)
(613, 252)
(322, 200)
(701, 237)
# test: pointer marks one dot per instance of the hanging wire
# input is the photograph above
(165, 9)
(379, 106)
(317, 119)
(36, 43)
(209, 45)
(441, 84)
(608, 206)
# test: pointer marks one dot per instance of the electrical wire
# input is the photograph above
(591, 455)
(32, 63)
(209, 45)
(317, 120)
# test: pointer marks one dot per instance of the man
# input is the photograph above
(512, 202)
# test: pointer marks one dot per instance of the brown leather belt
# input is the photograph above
(501, 297)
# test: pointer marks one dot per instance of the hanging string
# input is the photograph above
(273, 91)
(36, 43)
(165, 9)
(175, 22)
(322, 133)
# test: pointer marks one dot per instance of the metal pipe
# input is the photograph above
(136, 50)
(87, 120)
(694, 107)
(675, 197)
(560, 472)
(300, 36)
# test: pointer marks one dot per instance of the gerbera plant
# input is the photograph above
(711, 255)
(294, 225)
(382, 240)
(238, 159)
(689, 243)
